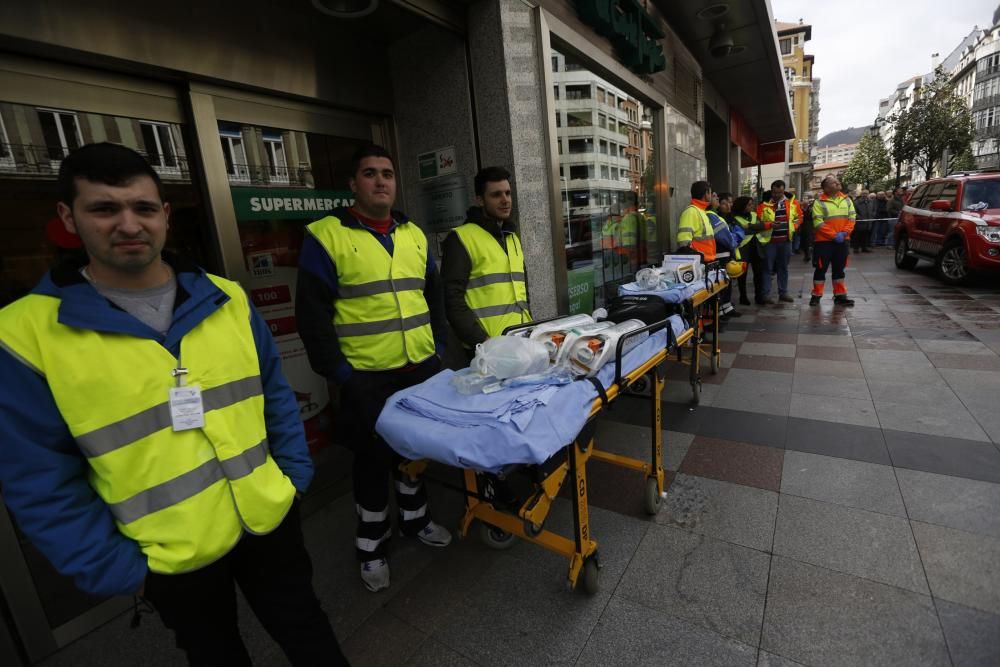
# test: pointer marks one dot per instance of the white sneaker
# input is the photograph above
(375, 574)
(434, 535)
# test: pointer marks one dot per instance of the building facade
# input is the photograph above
(798, 68)
(838, 153)
(251, 116)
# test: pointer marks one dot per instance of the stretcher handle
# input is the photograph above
(651, 328)
(533, 323)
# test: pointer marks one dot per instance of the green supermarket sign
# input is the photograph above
(632, 31)
(287, 203)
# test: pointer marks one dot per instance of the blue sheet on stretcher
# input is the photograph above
(674, 294)
(517, 425)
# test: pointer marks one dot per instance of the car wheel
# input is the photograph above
(903, 260)
(952, 264)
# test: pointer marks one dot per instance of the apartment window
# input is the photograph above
(605, 174)
(786, 46)
(581, 171)
(578, 92)
(274, 147)
(160, 150)
(791, 98)
(601, 95)
(791, 149)
(581, 146)
(6, 153)
(579, 119)
(558, 119)
(61, 132)
(555, 91)
(612, 125)
(602, 120)
(235, 156)
(555, 63)
(602, 146)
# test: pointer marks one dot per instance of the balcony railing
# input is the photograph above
(265, 174)
(44, 161)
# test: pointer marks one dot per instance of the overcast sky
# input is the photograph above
(864, 49)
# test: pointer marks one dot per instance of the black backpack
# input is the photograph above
(646, 307)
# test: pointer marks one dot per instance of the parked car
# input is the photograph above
(953, 222)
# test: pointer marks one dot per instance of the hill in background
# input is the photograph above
(851, 135)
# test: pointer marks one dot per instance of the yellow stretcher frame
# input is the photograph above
(706, 307)
(498, 528)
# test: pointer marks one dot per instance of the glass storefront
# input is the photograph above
(607, 178)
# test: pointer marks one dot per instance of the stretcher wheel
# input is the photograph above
(590, 577)
(713, 361)
(653, 499)
(495, 538)
(531, 528)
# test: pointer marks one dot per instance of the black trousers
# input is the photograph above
(861, 237)
(362, 398)
(751, 253)
(275, 574)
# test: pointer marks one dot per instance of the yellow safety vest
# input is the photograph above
(695, 229)
(380, 315)
(496, 292)
(745, 224)
(767, 215)
(185, 496)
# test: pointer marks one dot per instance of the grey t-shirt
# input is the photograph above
(153, 307)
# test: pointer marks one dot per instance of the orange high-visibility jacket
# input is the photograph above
(832, 215)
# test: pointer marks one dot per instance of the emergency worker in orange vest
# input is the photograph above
(833, 222)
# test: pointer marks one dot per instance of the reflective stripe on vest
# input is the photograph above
(380, 314)
(496, 292)
(745, 224)
(184, 496)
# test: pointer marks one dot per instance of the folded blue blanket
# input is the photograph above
(516, 425)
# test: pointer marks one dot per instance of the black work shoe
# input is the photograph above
(735, 313)
(807, 258)
(842, 300)
(744, 301)
(814, 300)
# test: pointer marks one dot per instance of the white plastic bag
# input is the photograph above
(510, 356)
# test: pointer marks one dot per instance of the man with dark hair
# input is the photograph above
(482, 266)
(370, 312)
(694, 229)
(780, 215)
(136, 470)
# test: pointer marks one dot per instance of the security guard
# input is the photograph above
(151, 445)
(483, 265)
(694, 229)
(833, 222)
(370, 312)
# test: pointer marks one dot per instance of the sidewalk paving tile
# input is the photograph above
(961, 567)
(944, 420)
(972, 362)
(820, 617)
(828, 353)
(944, 500)
(931, 393)
(636, 441)
(945, 456)
(939, 334)
(853, 541)
(764, 363)
(709, 582)
(857, 411)
(954, 347)
(736, 462)
(784, 339)
(758, 381)
(759, 402)
(617, 489)
(844, 369)
(857, 484)
(742, 426)
(886, 343)
(893, 372)
(367, 646)
(829, 385)
(846, 441)
(433, 653)
(973, 636)
(823, 340)
(903, 358)
(768, 349)
(679, 391)
(731, 512)
(765, 659)
(629, 633)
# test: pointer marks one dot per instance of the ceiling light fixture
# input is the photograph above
(346, 9)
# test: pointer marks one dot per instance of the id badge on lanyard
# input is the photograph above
(187, 411)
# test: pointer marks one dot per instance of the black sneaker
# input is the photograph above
(735, 313)
(842, 300)
(814, 300)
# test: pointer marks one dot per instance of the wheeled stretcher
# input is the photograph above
(499, 526)
(706, 308)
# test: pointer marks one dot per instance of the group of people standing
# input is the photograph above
(877, 210)
(766, 235)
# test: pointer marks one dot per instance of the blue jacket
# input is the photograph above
(43, 475)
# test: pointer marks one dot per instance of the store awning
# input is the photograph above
(750, 80)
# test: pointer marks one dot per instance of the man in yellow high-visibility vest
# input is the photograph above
(138, 470)
(370, 312)
(482, 265)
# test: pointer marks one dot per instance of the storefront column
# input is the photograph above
(508, 88)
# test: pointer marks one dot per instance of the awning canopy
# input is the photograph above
(751, 81)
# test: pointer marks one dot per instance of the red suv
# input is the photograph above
(954, 222)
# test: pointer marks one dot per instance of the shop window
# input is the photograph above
(160, 150)
(6, 152)
(274, 148)
(235, 156)
(786, 46)
(61, 131)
